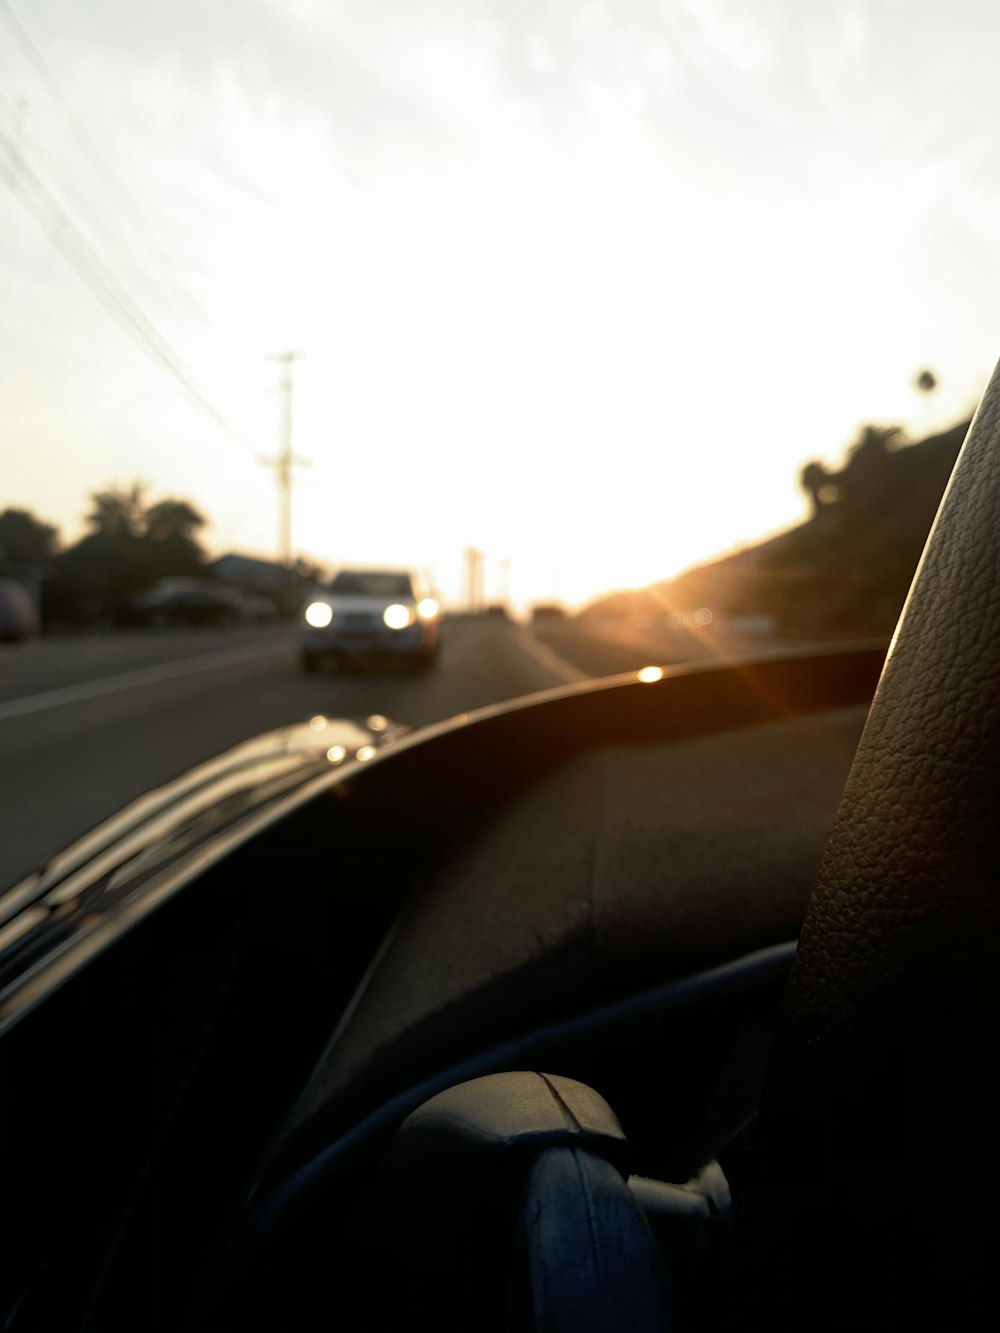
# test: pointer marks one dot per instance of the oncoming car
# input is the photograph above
(371, 611)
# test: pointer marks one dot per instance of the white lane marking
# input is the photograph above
(130, 680)
(550, 659)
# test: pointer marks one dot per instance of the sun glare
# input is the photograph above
(588, 305)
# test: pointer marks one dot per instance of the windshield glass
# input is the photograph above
(354, 583)
(641, 332)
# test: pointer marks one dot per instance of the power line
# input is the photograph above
(82, 257)
(139, 226)
(69, 195)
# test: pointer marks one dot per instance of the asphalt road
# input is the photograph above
(89, 722)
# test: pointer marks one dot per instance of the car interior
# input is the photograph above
(509, 1027)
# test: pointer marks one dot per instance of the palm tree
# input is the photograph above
(926, 383)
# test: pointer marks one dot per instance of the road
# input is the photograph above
(89, 722)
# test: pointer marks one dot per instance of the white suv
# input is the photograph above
(370, 611)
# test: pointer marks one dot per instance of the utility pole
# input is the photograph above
(470, 586)
(505, 582)
(474, 578)
(285, 460)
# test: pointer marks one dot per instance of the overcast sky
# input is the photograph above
(580, 283)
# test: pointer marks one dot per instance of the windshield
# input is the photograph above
(351, 583)
(642, 333)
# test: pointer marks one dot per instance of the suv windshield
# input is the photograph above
(353, 583)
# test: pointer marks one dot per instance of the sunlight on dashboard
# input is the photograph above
(650, 674)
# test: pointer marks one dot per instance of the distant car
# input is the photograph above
(371, 611)
(179, 600)
(548, 611)
(257, 608)
(18, 620)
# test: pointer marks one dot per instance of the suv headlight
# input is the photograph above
(318, 614)
(398, 616)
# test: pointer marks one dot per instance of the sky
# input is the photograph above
(580, 284)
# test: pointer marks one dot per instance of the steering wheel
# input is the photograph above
(873, 1197)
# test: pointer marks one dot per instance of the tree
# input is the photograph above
(26, 540)
(868, 481)
(817, 483)
(130, 546)
(172, 518)
(170, 541)
(117, 511)
(875, 441)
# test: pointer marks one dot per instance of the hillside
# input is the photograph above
(844, 573)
